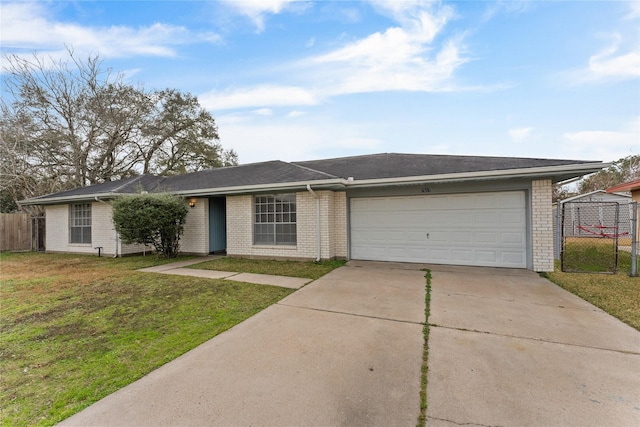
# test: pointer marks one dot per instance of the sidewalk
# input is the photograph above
(179, 268)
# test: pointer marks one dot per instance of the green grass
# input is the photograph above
(422, 419)
(77, 328)
(306, 269)
(593, 255)
(617, 294)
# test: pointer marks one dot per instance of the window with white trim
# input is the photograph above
(80, 223)
(274, 220)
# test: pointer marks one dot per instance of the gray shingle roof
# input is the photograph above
(130, 185)
(375, 166)
(393, 165)
(272, 172)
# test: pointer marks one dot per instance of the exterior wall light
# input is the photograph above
(192, 202)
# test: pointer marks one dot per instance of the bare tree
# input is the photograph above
(623, 170)
(73, 123)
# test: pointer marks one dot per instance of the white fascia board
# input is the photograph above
(541, 172)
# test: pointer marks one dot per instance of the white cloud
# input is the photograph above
(278, 138)
(619, 60)
(520, 134)
(606, 145)
(28, 26)
(296, 113)
(400, 58)
(257, 96)
(264, 112)
(611, 63)
(256, 10)
(634, 12)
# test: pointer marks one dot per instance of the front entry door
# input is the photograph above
(217, 224)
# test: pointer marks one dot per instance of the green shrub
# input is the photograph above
(151, 219)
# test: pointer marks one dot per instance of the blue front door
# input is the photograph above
(217, 224)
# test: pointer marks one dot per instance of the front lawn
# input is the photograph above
(309, 269)
(77, 328)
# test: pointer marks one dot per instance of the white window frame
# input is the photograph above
(275, 220)
(80, 223)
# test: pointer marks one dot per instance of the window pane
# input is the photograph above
(80, 223)
(273, 222)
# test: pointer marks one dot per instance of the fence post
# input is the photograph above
(634, 239)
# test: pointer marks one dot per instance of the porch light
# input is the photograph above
(192, 202)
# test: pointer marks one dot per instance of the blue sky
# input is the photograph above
(305, 80)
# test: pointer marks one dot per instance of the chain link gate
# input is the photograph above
(593, 233)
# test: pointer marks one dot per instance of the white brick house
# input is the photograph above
(462, 210)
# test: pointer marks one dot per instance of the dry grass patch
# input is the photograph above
(77, 328)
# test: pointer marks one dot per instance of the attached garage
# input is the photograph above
(477, 229)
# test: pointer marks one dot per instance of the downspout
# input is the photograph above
(115, 232)
(313, 193)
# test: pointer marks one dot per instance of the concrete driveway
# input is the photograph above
(509, 348)
(346, 350)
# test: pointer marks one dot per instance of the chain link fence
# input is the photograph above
(598, 237)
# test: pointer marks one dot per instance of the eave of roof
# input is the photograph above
(322, 180)
(556, 173)
(625, 186)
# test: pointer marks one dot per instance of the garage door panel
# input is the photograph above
(512, 238)
(484, 238)
(458, 237)
(465, 255)
(513, 257)
(465, 229)
(486, 257)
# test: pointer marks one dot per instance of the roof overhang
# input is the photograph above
(625, 186)
(555, 173)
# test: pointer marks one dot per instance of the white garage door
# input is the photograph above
(481, 229)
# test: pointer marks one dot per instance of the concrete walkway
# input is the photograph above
(345, 350)
(509, 348)
(179, 268)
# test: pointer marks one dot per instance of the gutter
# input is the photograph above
(318, 234)
(583, 168)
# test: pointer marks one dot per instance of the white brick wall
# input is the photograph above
(57, 228)
(542, 225)
(102, 232)
(333, 220)
(340, 224)
(195, 237)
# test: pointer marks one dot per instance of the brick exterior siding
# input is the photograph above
(195, 237)
(333, 228)
(102, 232)
(239, 221)
(542, 225)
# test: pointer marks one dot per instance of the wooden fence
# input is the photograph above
(15, 232)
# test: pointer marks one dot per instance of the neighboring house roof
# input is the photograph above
(625, 186)
(338, 173)
(598, 196)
